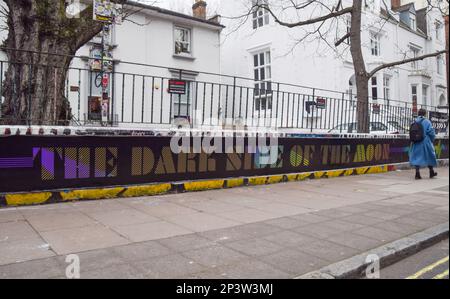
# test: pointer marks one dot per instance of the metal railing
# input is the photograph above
(139, 97)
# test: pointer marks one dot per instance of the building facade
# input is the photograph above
(250, 71)
(390, 33)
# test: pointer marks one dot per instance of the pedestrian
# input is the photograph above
(422, 152)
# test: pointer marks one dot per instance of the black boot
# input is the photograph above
(418, 177)
(433, 173)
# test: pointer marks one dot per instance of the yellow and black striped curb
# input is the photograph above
(57, 196)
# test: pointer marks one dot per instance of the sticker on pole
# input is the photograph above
(105, 11)
(177, 87)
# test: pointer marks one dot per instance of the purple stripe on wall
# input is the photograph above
(16, 162)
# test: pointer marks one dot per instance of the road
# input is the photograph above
(431, 263)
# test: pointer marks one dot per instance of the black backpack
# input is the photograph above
(416, 132)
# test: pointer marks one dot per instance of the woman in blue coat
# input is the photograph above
(423, 154)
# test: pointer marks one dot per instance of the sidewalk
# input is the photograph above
(276, 231)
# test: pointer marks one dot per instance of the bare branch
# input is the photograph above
(331, 15)
(400, 62)
(342, 39)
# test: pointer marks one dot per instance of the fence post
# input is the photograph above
(234, 96)
(30, 71)
(340, 124)
(55, 97)
(312, 109)
(112, 78)
(179, 96)
(276, 113)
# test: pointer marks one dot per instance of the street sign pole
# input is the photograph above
(108, 13)
(105, 76)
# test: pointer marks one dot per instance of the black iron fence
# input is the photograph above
(139, 95)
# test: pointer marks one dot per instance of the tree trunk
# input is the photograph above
(34, 84)
(362, 81)
(34, 88)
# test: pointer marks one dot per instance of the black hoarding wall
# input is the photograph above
(33, 163)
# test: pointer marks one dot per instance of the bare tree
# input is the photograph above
(327, 11)
(34, 83)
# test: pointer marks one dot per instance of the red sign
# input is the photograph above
(105, 80)
(321, 103)
(376, 108)
(177, 86)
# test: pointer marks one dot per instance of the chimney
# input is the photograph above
(396, 4)
(199, 9)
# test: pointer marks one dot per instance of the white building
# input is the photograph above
(258, 47)
(152, 36)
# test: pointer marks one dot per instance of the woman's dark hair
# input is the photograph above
(422, 112)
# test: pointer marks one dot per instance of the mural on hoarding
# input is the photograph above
(31, 163)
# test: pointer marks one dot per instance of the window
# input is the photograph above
(182, 103)
(413, 21)
(375, 44)
(438, 30)
(439, 65)
(414, 93)
(424, 94)
(374, 88)
(183, 41)
(260, 15)
(387, 87)
(263, 84)
(415, 53)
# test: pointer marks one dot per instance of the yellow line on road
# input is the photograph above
(428, 269)
(442, 275)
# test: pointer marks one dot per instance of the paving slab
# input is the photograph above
(256, 246)
(37, 269)
(81, 239)
(142, 251)
(289, 239)
(354, 240)
(59, 220)
(122, 217)
(187, 242)
(171, 266)
(214, 256)
(252, 269)
(10, 215)
(292, 261)
(328, 251)
(150, 231)
(24, 249)
(200, 222)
